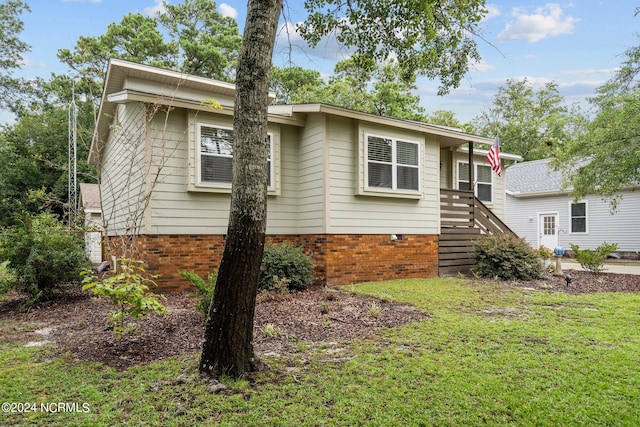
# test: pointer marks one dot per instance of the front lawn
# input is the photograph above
(487, 355)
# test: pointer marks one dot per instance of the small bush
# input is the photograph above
(128, 292)
(285, 262)
(42, 253)
(7, 279)
(205, 288)
(593, 260)
(506, 257)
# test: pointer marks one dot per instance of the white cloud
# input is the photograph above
(156, 10)
(288, 40)
(28, 62)
(227, 11)
(591, 72)
(546, 21)
(481, 66)
(492, 12)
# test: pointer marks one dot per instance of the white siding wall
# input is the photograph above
(622, 228)
(123, 172)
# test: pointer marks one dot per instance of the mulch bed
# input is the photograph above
(76, 321)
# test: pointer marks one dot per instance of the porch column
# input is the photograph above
(472, 179)
(472, 184)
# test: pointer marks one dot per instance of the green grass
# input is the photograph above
(489, 355)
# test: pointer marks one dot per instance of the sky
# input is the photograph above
(577, 44)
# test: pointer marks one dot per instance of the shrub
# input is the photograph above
(288, 262)
(506, 257)
(205, 288)
(593, 260)
(128, 291)
(42, 253)
(7, 279)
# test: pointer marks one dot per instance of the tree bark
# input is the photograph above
(228, 340)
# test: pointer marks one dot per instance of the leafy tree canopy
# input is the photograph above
(12, 50)
(605, 158)
(191, 36)
(533, 124)
(430, 38)
(358, 84)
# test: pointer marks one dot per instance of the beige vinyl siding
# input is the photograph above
(283, 208)
(171, 92)
(377, 213)
(446, 166)
(176, 209)
(497, 204)
(311, 187)
(123, 172)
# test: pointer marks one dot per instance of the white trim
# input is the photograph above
(394, 166)
(483, 153)
(475, 184)
(223, 187)
(556, 214)
(586, 218)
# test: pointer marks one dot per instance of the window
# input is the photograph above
(484, 183)
(392, 164)
(216, 155)
(579, 217)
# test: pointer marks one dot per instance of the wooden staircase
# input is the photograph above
(463, 220)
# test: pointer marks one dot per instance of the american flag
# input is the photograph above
(494, 156)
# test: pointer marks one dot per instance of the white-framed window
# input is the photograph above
(484, 181)
(391, 164)
(215, 156)
(578, 217)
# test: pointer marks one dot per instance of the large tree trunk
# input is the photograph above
(228, 341)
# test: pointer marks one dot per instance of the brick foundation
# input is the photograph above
(340, 258)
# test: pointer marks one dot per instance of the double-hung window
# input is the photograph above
(483, 185)
(392, 164)
(579, 217)
(216, 156)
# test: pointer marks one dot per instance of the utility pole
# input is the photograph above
(72, 199)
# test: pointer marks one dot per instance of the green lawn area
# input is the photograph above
(489, 355)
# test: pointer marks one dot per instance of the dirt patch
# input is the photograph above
(77, 323)
(583, 282)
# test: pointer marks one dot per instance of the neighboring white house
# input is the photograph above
(539, 210)
(90, 202)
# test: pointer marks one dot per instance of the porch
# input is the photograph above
(463, 220)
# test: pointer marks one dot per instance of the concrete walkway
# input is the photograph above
(608, 268)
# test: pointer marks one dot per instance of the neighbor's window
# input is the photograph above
(484, 184)
(392, 164)
(216, 155)
(579, 217)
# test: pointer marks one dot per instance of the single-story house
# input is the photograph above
(542, 212)
(92, 211)
(360, 193)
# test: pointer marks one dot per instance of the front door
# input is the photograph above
(548, 230)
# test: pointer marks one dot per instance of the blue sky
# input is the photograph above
(577, 44)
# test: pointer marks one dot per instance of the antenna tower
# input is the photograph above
(73, 149)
